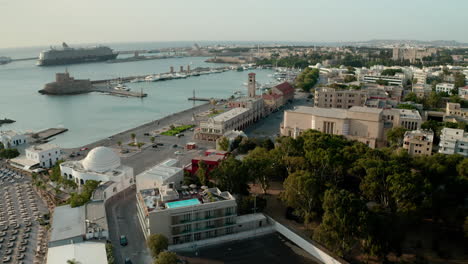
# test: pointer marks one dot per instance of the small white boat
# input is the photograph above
(121, 87)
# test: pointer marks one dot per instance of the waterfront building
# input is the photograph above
(356, 123)
(46, 155)
(286, 90)
(11, 139)
(101, 164)
(418, 142)
(453, 141)
(78, 224)
(327, 97)
(445, 87)
(254, 104)
(397, 80)
(215, 127)
(272, 102)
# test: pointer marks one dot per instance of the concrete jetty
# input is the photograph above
(111, 91)
(48, 133)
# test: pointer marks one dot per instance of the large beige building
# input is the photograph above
(215, 127)
(418, 142)
(412, 54)
(409, 119)
(357, 123)
(327, 97)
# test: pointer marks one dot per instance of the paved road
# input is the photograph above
(123, 220)
(270, 126)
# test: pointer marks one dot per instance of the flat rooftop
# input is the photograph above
(272, 248)
(43, 147)
(154, 198)
(230, 114)
(67, 222)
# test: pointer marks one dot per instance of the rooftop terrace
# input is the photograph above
(167, 198)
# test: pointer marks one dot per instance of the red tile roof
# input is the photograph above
(271, 96)
(285, 87)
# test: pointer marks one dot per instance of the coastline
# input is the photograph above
(183, 116)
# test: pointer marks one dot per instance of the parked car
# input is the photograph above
(128, 261)
(123, 240)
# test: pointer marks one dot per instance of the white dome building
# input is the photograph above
(101, 164)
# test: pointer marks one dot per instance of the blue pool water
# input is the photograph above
(182, 203)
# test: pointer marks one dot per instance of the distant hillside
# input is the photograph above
(389, 42)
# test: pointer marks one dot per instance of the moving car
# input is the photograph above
(123, 240)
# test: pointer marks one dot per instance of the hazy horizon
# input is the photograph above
(33, 23)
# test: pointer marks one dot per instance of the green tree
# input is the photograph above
(2, 146)
(152, 139)
(157, 243)
(459, 80)
(261, 167)
(395, 136)
(304, 192)
(231, 175)
(381, 82)
(434, 100)
(223, 143)
(119, 143)
(133, 136)
(411, 97)
(349, 78)
(166, 257)
(73, 261)
(391, 72)
(202, 172)
(9, 153)
(340, 229)
(307, 79)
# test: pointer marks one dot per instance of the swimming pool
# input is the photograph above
(182, 203)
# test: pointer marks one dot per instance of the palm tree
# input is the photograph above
(119, 143)
(73, 261)
(152, 139)
(133, 137)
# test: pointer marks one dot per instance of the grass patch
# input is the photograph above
(139, 144)
(176, 130)
(215, 112)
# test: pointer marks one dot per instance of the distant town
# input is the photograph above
(352, 154)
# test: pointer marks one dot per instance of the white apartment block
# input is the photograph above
(463, 92)
(46, 155)
(11, 139)
(453, 141)
(420, 76)
(445, 87)
(186, 215)
(397, 80)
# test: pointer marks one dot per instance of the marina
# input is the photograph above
(94, 116)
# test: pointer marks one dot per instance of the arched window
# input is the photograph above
(81, 181)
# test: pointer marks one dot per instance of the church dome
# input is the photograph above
(101, 159)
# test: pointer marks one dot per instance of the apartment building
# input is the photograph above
(463, 92)
(455, 110)
(412, 54)
(356, 123)
(453, 141)
(327, 97)
(420, 76)
(418, 142)
(186, 215)
(397, 80)
(445, 87)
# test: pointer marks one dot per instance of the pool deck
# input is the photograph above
(182, 203)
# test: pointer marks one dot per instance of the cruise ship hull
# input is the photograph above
(49, 62)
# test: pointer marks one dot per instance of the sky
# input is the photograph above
(50, 22)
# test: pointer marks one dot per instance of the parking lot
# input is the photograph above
(22, 239)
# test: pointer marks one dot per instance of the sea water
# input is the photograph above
(94, 116)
